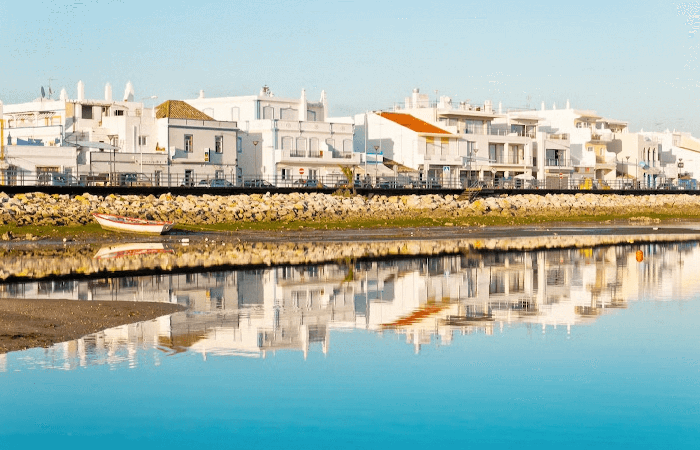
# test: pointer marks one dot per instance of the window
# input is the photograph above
(239, 144)
(289, 114)
(331, 144)
(188, 143)
(219, 144)
(313, 144)
(268, 113)
(590, 149)
(235, 113)
(118, 112)
(347, 145)
(142, 140)
(301, 143)
(287, 142)
(286, 174)
(87, 111)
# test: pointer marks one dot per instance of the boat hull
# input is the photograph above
(132, 224)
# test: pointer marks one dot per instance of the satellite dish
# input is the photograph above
(43, 94)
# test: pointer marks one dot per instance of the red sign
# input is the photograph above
(561, 176)
(301, 171)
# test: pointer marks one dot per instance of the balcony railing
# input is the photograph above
(558, 162)
(511, 160)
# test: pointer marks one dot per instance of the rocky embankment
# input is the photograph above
(44, 209)
(37, 260)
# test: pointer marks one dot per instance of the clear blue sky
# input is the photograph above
(636, 63)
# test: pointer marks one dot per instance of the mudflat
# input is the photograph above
(42, 323)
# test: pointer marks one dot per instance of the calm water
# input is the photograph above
(572, 348)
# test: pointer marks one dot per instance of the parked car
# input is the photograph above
(257, 184)
(57, 179)
(390, 184)
(427, 184)
(134, 179)
(215, 183)
(307, 184)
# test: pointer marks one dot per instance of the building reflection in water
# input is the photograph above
(427, 300)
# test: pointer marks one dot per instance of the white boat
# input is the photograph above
(132, 224)
(132, 249)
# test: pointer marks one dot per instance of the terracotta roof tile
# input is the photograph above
(177, 109)
(413, 123)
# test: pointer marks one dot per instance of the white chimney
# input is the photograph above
(303, 106)
(500, 108)
(568, 105)
(543, 106)
(201, 93)
(63, 95)
(81, 90)
(108, 92)
(554, 106)
(129, 92)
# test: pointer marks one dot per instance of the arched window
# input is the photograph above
(301, 143)
(313, 144)
(289, 114)
(268, 113)
(347, 145)
(287, 142)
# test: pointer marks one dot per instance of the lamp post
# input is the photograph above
(376, 147)
(152, 97)
(255, 154)
(628, 165)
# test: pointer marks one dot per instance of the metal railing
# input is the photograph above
(306, 181)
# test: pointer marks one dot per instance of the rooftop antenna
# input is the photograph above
(43, 94)
(50, 90)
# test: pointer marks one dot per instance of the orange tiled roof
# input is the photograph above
(412, 123)
(177, 109)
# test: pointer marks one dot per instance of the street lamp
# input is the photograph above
(255, 153)
(376, 147)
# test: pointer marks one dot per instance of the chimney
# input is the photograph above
(108, 92)
(129, 92)
(81, 90)
(201, 93)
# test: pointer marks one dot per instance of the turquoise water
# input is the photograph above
(573, 348)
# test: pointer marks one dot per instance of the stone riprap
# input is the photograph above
(45, 209)
(37, 261)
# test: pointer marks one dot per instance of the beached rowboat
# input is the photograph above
(132, 249)
(132, 224)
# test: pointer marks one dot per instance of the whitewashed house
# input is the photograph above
(430, 151)
(590, 139)
(284, 140)
(111, 141)
(485, 149)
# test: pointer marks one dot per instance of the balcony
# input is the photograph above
(443, 160)
(319, 157)
(511, 160)
(558, 162)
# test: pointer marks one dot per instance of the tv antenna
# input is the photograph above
(43, 94)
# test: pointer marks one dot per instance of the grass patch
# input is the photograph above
(417, 221)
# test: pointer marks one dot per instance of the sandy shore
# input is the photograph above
(42, 323)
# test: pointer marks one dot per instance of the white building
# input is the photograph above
(489, 146)
(284, 140)
(590, 142)
(104, 140)
(432, 153)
